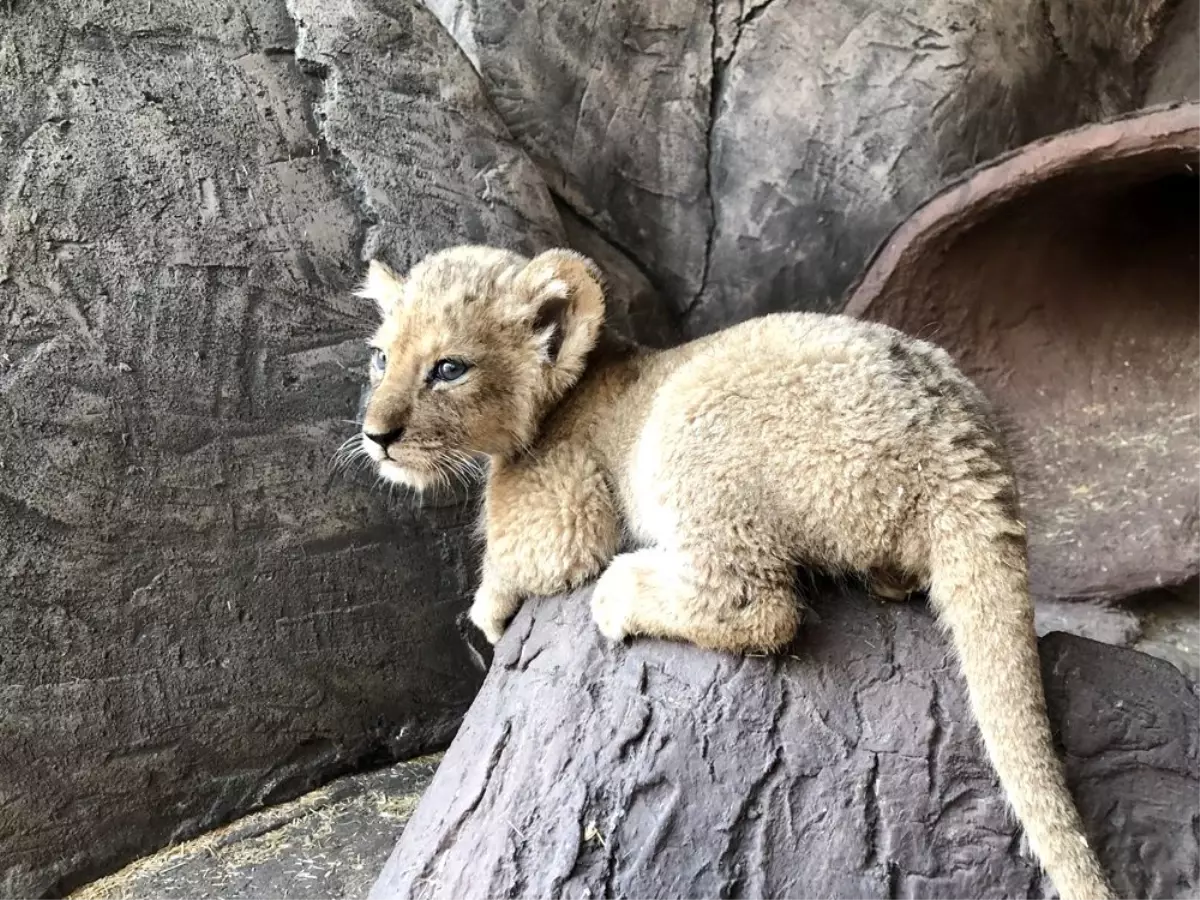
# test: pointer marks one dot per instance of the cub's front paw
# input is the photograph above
(613, 597)
(488, 617)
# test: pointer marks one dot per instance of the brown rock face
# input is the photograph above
(1064, 279)
(848, 766)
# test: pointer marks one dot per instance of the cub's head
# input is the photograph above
(475, 346)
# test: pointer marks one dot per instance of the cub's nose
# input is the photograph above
(387, 438)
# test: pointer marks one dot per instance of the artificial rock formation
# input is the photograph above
(1063, 278)
(199, 614)
(1175, 70)
(751, 154)
(330, 843)
(848, 766)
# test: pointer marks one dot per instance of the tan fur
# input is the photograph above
(789, 439)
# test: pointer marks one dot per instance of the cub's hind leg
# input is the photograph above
(886, 584)
(693, 597)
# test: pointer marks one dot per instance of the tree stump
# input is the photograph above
(848, 766)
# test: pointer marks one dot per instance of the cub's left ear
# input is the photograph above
(383, 286)
(567, 296)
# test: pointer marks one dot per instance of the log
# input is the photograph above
(848, 766)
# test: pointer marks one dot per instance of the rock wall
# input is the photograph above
(1175, 69)
(751, 154)
(199, 614)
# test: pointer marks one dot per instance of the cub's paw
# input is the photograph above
(884, 591)
(488, 617)
(614, 596)
(477, 646)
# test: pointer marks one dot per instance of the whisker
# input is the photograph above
(443, 476)
(464, 467)
(445, 470)
(352, 453)
(455, 467)
(348, 449)
(462, 478)
(347, 444)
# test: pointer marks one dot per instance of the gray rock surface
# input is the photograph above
(751, 154)
(634, 308)
(1175, 71)
(1170, 627)
(848, 766)
(611, 101)
(330, 843)
(199, 616)
(1163, 623)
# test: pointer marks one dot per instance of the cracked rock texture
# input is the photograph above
(199, 615)
(847, 767)
(750, 155)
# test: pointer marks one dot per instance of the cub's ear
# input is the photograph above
(383, 286)
(566, 294)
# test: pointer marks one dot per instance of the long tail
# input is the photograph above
(979, 588)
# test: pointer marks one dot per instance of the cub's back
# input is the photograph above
(826, 429)
(819, 379)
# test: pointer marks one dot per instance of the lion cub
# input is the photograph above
(790, 439)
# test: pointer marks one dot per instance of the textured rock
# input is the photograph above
(611, 101)
(634, 309)
(199, 615)
(1107, 623)
(1170, 627)
(1175, 71)
(330, 843)
(1129, 726)
(1063, 279)
(847, 767)
(750, 155)
(1162, 623)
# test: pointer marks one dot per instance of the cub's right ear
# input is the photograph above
(383, 286)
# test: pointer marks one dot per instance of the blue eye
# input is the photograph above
(378, 361)
(448, 370)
